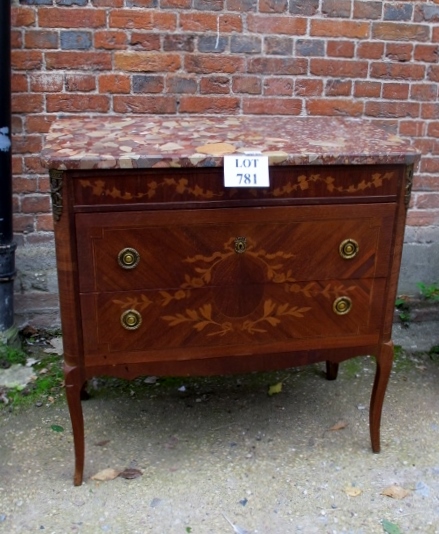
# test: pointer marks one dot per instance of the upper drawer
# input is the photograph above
(205, 186)
(188, 249)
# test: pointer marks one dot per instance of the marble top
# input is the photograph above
(203, 141)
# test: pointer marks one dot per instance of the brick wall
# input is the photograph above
(370, 59)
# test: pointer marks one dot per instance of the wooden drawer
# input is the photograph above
(184, 250)
(205, 186)
(275, 316)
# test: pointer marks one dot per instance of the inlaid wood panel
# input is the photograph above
(184, 250)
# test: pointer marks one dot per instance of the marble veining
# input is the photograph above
(203, 141)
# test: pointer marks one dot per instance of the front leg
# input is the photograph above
(331, 370)
(384, 361)
(74, 386)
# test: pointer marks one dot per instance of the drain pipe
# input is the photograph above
(7, 246)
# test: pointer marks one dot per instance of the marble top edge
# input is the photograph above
(203, 141)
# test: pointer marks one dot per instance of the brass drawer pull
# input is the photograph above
(342, 305)
(348, 249)
(128, 258)
(131, 319)
(240, 245)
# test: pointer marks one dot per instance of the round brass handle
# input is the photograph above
(240, 245)
(128, 258)
(342, 305)
(348, 249)
(131, 319)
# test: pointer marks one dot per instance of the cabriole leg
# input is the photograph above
(384, 361)
(74, 385)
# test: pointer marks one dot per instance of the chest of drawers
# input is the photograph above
(163, 270)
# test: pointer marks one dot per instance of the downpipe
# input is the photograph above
(7, 247)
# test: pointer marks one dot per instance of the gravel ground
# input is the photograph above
(223, 456)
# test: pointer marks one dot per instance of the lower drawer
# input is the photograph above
(187, 323)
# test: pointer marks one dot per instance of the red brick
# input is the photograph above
(272, 106)
(338, 87)
(364, 89)
(205, 22)
(44, 183)
(175, 4)
(396, 91)
(39, 123)
(17, 164)
(426, 182)
(396, 31)
(392, 109)
(17, 124)
(146, 61)
(71, 17)
(433, 129)
(145, 41)
(338, 68)
(41, 39)
(336, 106)
(430, 111)
(278, 87)
(78, 60)
(243, 5)
(107, 3)
(114, 83)
(433, 73)
(340, 48)
(271, 24)
(426, 92)
(23, 223)
(23, 144)
(24, 184)
(247, 84)
(397, 71)
(429, 165)
(202, 104)
(210, 64)
(399, 51)
(424, 145)
(215, 85)
(16, 39)
(80, 82)
(308, 87)
(35, 203)
(367, 10)
(45, 82)
(144, 104)
(370, 50)
(27, 103)
(427, 53)
(273, 6)
(110, 40)
(278, 66)
(142, 19)
(337, 28)
(44, 223)
(32, 165)
(22, 16)
(19, 83)
(427, 201)
(26, 59)
(73, 103)
(336, 8)
(412, 128)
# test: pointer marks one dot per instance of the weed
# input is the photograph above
(429, 292)
(403, 307)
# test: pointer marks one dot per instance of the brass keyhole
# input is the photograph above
(131, 319)
(240, 245)
(128, 258)
(348, 249)
(342, 305)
